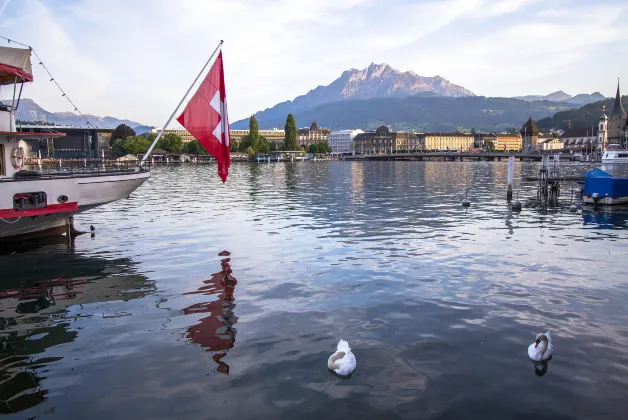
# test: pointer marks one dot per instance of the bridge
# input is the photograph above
(449, 156)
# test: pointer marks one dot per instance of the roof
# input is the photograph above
(314, 126)
(618, 108)
(579, 132)
(530, 128)
(15, 63)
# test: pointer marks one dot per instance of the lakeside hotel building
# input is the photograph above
(273, 136)
(443, 141)
(341, 142)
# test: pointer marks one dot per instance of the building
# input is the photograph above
(602, 132)
(529, 136)
(447, 141)
(616, 125)
(550, 144)
(341, 142)
(507, 142)
(273, 136)
(383, 141)
(581, 139)
(79, 142)
(307, 136)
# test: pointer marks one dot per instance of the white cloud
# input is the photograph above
(135, 59)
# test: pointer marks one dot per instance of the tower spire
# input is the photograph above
(618, 108)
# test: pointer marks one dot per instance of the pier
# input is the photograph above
(449, 156)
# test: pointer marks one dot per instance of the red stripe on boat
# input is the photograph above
(51, 209)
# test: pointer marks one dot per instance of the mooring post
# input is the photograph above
(511, 176)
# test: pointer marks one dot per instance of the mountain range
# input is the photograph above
(560, 96)
(405, 100)
(28, 110)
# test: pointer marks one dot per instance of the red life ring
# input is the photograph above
(17, 157)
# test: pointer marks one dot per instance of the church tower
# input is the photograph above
(617, 121)
(602, 133)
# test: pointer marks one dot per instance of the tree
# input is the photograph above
(490, 146)
(136, 145)
(290, 139)
(253, 127)
(273, 147)
(117, 148)
(251, 151)
(473, 132)
(171, 142)
(121, 132)
(194, 148)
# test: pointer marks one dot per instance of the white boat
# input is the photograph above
(615, 155)
(34, 203)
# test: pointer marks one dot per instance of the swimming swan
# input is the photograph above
(342, 361)
(542, 348)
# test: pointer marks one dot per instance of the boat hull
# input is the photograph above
(87, 192)
(601, 188)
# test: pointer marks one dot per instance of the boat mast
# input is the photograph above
(150, 149)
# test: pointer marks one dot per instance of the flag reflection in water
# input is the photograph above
(216, 332)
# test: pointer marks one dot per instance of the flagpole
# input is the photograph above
(152, 146)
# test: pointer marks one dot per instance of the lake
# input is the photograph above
(439, 302)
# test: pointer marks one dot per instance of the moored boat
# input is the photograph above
(602, 188)
(615, 155)
(33, 203)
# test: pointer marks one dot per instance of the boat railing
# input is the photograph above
(76, 168)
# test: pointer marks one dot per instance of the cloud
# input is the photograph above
(136, 59)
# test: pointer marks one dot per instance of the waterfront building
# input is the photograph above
(341, 142)
(602, 132)
(78, 142)
(447, 141)
(383, 141)
(553, 143)
(581, 139)
(273, 136)
(529, 136)
(314, 134)
(616, 125)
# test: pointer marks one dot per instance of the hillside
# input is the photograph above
(421, 114)
(585, 116)
(30, 111)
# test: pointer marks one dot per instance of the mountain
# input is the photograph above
(421, 114)
(583, 117)
(560, 96)
(375, 81)
(30, 111)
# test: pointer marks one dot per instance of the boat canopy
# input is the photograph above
(597, 173)
(15, 62)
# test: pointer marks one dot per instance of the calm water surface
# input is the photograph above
(438, 302)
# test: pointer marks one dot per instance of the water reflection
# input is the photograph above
(216, 332)
(606, 218)
(540, 368)
(36, 304)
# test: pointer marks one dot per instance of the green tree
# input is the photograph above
(273, 147)
(250, 151)
(194, 148)
(490, 146)
(290, 139)
(473, 132)
(233, 146)
(253, 127)
(117, 148)
(136, 145)
(121, 132)
(171, 142)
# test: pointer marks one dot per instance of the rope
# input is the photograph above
(5, 221)
(52, 79)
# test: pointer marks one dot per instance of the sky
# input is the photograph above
(135, 59)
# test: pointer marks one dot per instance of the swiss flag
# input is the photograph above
(205, 117)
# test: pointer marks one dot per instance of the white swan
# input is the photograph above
(542, 348)
(342, 361)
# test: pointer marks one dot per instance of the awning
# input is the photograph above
(15, 62)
